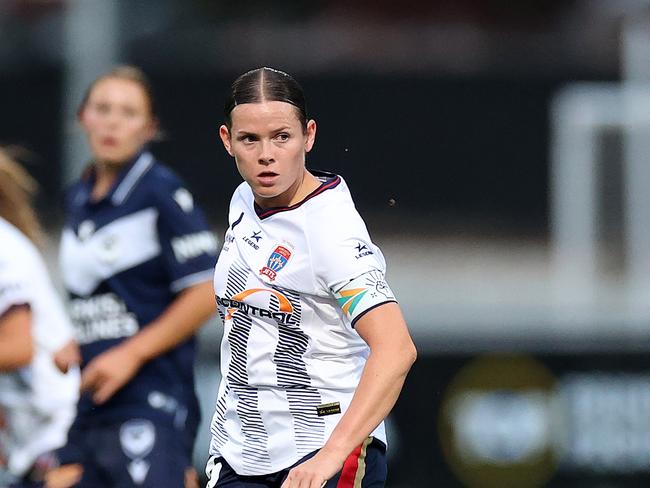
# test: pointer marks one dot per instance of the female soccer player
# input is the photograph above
(315, 349)
(37, 401)
(136, 258)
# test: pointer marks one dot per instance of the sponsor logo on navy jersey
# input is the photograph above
(277, 260)
(101, 317)
(192, 245)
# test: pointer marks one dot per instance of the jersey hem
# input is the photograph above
(190, 280)
(369, 309)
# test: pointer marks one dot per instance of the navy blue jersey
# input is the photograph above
(124, 259)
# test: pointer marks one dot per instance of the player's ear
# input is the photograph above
(310, 134)
(224, 133)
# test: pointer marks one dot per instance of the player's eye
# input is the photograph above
(282, 137)
(130, 112)
(102, 108)
(247, 138)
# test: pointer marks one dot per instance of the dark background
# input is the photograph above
(447, 150)
(439, 116)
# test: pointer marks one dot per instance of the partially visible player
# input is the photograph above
(315, 349)
(136, 258)
(37, 401)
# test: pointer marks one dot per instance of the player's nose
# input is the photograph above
(266, 152)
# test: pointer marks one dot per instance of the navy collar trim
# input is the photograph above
(330, 181)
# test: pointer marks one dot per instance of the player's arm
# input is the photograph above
(392, 353)
(109, 371)
(16, 345)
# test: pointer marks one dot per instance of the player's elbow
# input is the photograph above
(405, 354)
(410, 355)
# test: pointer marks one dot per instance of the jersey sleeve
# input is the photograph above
(362, 294)
(14, 289)
(189, 247)
(350, 267)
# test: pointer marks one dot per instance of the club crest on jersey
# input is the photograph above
(277, 260)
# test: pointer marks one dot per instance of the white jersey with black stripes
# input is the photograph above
(290, 284)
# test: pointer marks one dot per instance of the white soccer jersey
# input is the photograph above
(38, 401)
(290, 283)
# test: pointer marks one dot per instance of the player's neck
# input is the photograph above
(302, 187)
(307, 185)
(105, 176)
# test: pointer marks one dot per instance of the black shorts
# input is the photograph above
(365, 467)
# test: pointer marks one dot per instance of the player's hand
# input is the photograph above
(191, 478)
(67, 357)
(64, 476)
(108, 372)
(313, 473)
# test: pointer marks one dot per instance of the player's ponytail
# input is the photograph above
(17, 190)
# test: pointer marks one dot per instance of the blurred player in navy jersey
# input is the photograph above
(136, 257)
(37, 401)
(315, 349)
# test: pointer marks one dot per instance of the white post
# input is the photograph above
(90, 48)
(579, 115)
(636, 91)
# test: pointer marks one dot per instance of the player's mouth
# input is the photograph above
(108, 141)
(267, 178)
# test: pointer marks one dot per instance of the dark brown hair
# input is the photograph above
(266, 84)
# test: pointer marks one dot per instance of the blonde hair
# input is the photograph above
(17, 190)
